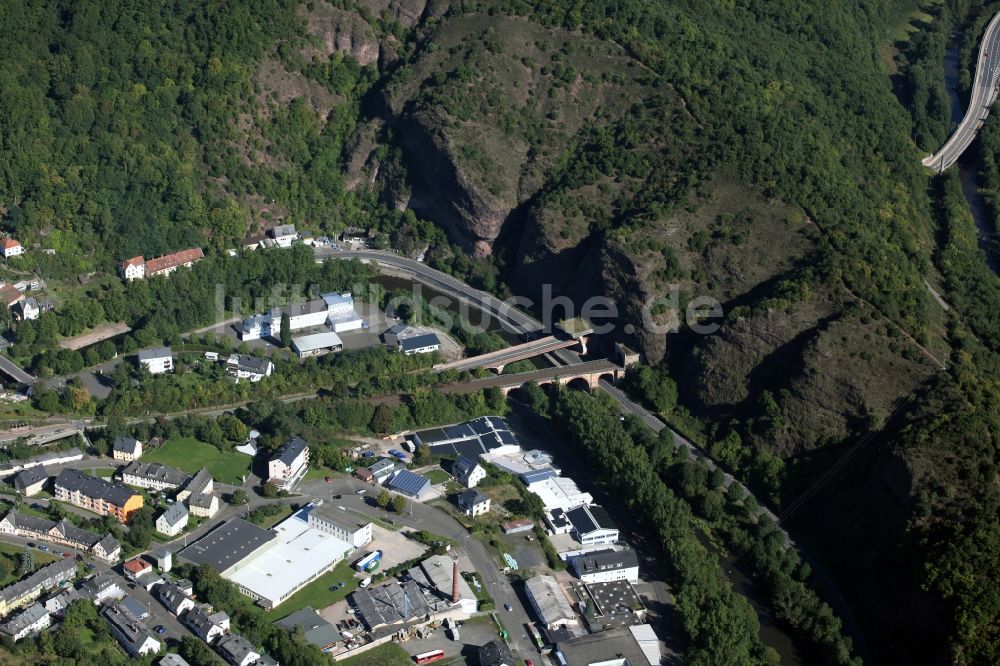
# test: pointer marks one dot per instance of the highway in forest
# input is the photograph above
(984, 93)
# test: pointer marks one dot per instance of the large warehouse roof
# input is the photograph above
(227, 544)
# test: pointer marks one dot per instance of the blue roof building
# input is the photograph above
(412, 485)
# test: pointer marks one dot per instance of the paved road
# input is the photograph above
(508, 355)
(15, 372)
(434, 520)
(984, 93)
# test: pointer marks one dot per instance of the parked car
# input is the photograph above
(31, 544)
(368, 454)
(508, 607)
(337, 496)
(67, 554)
(43, 548)
(160, 629)
(360, 492)
(91, 566)
(327, 479)
(79, 557)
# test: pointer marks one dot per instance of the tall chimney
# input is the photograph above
(454, 583)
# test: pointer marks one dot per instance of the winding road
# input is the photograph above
(984, 93)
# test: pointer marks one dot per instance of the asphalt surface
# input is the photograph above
(15, 372)
(984, 93)
(509, 355)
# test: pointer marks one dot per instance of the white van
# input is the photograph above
(366, 582)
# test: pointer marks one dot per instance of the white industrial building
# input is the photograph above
(592, 525)
(559, 492)
(550, 603)
(333, 310)
(601, 566)
(156, 361)
(267, 575)
(327, 518)
(317, 344)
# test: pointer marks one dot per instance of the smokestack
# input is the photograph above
(454, 583)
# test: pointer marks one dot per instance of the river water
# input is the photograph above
(967, 167)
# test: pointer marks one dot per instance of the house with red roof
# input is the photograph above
(11, 248)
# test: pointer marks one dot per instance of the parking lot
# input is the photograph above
(395, 547)
(472, 634)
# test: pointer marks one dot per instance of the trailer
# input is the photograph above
(369, 562)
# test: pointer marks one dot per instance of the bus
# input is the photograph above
(428, 657)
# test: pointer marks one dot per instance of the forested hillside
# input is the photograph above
(765, 153)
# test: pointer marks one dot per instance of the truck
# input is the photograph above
(369, 562)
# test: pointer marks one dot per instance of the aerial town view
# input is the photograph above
(499, 333)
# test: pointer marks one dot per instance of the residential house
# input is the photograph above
(253, 242)
(126, 449)
(149, 581)
(473, 503)
(203, 505)
(97, 495)
(134, 606)
(284, 234)
(136, 567)
(202, 482)
(31, 481)
(101, 587)
(133, 269)
(176, 601)
(173, 520)
(28, 309)
(592, 525)
(10, 296)
(171, 659)
(237, 651)
(107, 549)
(63, 533)
(382, 470)
(129, 631)
(28, 589)
(27, 623)
(153, 476)
(289, 463)
(202, 625)
(253, 368)
(11, 248)
(156, 361)
(57, 603)
(467, 471)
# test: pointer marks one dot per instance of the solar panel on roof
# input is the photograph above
(459, 431)
(507, 437)
(481, 426)
(432, 435)
(408, 482)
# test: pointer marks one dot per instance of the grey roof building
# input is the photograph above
(173, 660)
(290, 450)
(21, 624)
(227, 544)
(636, 645)
(75, 481)
(30, 477)
(237, 650)
(151, 474)
(422, 342)
(130, 633)
(599, 562)
(496, 653)
(317, 631)
(134, 606)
